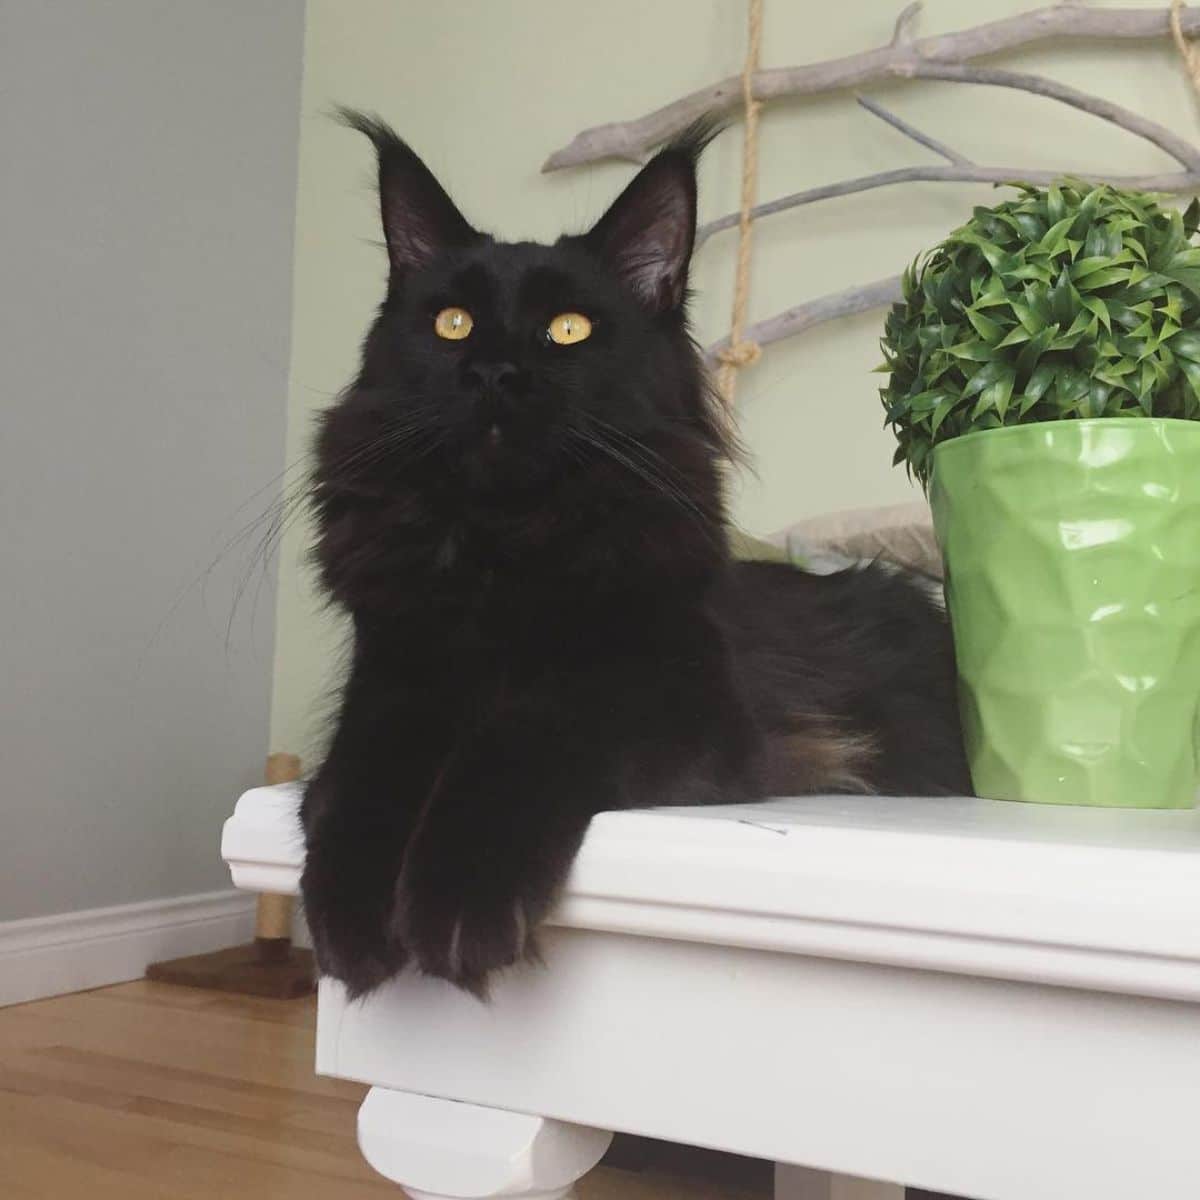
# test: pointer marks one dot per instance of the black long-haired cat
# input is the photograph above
(520, 505)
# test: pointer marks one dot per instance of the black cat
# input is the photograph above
(520, 505)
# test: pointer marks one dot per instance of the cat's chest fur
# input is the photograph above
(518, 594)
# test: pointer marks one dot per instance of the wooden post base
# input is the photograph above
(267, 967)
(270, 965)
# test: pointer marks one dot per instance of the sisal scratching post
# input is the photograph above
(270, 965)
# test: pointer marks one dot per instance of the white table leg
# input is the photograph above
(803, 1183)
(438, 1148)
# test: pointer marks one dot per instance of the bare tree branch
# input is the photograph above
(632, 139)
(1181, 150)
(911, 131)
(1177, 182)
(904, 23)
(903, 57)
(964, 171)
(813, 312)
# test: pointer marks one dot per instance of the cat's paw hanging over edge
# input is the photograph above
(466, 938)
(360, 969)
(348, 923)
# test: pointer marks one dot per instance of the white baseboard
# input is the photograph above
(71, 952)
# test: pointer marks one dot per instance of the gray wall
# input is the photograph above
(147, 191)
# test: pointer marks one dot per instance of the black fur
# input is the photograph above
(530, 539)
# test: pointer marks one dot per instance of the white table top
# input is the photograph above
(1091, 898)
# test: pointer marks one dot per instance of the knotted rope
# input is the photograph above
(1187, 51)
(739, 352)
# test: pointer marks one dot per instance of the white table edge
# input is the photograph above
(1097, 917)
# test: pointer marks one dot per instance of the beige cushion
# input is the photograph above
(899, 533)
(751, 549)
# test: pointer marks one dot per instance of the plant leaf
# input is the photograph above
(1000, 392)
(1186, 344)
(973, 351)
(1040, 381)
(1191, 216)
(1189, 277)
(1031, 321)
(1105, 277)
(1191, 373)
(1055, 205)
(991, 331)
(1033, 350)
(988, 374)
(1062, 299)
(944, 407)
(1098, 309)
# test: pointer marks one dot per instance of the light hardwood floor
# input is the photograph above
(150, 1091)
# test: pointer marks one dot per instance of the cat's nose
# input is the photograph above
(492, 377)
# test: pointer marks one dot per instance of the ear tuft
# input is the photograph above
(419, 218)
(648, 232)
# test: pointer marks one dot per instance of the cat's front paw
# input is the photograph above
(347, 915)
(361, 962)
(463, 932)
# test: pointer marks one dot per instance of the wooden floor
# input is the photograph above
(151, 1091)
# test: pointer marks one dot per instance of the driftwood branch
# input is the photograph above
(1176, 181)
(904, 23)
(884, 291)
(944, 58)
(813, 312)
(962, 170)
(632, 139)
(1181, 150)
(911, 131)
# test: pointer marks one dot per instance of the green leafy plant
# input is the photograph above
(1069, 301)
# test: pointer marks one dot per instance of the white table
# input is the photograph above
(999, 1001)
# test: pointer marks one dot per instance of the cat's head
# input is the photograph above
(498, 367)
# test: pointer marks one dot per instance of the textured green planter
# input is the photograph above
(1073, 582)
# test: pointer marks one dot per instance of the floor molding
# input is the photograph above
(72, 952)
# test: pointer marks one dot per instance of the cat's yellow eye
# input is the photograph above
(453, 324)
(568, 328)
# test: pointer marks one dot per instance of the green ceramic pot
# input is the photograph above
(1073, 581)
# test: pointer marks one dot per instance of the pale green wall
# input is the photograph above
(484, 90)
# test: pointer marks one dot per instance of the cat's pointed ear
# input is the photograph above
(648, 232)
(419, 218)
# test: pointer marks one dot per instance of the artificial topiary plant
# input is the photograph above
(1071, 301)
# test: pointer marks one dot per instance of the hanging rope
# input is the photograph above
(740, 353)
(1187, 51)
